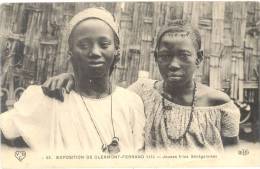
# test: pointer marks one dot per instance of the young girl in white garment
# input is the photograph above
(96, 116)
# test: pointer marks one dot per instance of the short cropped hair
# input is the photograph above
(180, 26)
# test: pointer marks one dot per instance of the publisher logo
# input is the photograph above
(243, 152)
(20, 155)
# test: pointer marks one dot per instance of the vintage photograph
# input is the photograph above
(130, 84)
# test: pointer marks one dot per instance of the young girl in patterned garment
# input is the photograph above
(182, 114)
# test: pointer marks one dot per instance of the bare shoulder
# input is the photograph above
(211, 96)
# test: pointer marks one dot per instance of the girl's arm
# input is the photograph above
(230, 141)
(230, 125)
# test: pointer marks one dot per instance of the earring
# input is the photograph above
(69, 56)
(197, 62)
(117, 53)
(198, 65)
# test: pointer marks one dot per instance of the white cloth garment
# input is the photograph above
(46, 123)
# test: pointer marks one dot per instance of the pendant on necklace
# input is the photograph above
(168, 107)
(104, 148)
(113, 147)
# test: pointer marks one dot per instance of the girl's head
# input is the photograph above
(93, 43)
(178, 52)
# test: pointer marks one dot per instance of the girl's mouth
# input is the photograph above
(174, 76)
(96, 64)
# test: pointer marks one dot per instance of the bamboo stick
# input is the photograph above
(167, 14)
(187, 11)
(195, 14)
(258, 104)
(239, 28)
(217, 43)
(234, 76)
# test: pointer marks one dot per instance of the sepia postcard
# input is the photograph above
(130, 84)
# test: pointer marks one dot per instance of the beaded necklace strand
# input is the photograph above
(165, 107)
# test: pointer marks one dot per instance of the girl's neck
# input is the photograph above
(93, 87)
(179, 90)
(182, 95)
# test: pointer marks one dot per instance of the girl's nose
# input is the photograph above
(174, 64)
(95, 50)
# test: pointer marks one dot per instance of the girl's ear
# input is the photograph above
(116, 59)
(116, 56)
(69, 55)
(199, 57)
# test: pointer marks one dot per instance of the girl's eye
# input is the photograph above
(84, 46)
(184, 55)
(167, 56)
(105, 44)
(163, 55)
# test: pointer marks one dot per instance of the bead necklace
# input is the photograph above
(167, 107)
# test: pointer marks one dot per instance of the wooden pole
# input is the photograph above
(258, 105)
(217, 35)
(258, 53)
(187, 11)
(238, 31)
(195, 14)
(233, 77)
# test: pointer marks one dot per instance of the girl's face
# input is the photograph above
(92, 48)
(176, 58)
